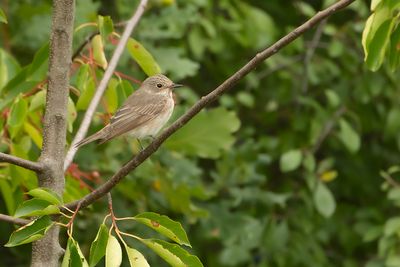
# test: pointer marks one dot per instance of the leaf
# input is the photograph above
(18, 113)
(46, 194)
(113, 252)
(38, 68)
(136, 259)
(392, 226)
(111, 96)
(71, 115)
(36, 207)
(394, 51)
(98, 51)
(33, 133)
(30, 232)
(9, 67)
(164, 226)
(105, 25)
(38, 100)
(349, 137)
(98, 247)
(3, 17)
(290, 160)
(324, 200)
(142, 57)
(207, 134)
(86, 95)
(172, 253)
(73, 256)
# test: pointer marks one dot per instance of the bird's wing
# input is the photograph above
(138, 109)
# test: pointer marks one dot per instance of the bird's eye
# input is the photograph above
(159, 85)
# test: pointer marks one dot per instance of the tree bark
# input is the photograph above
(47, 251)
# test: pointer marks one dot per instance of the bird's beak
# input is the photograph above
(176, 85)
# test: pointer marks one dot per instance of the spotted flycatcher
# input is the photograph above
(143, 113)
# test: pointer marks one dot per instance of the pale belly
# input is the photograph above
(152, 127)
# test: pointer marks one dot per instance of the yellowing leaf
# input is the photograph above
(98, 51)
(136, 259)
(328, 176)
(113, 252)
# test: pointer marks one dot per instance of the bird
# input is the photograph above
(143, 113)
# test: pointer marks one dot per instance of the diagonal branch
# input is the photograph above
(204, 101)
(10, 219)
(83, 128)
(27, 164)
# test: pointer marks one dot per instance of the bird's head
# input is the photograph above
(159, 82)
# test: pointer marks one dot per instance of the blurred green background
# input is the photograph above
(296, 166)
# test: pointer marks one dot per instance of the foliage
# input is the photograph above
(286, 171)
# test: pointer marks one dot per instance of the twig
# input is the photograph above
(83, 128)
(204, 101)
(82, 46)
(27, 164)
(310, 53)
(327, 129)
(10, 219)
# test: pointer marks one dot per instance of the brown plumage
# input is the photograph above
(143, 113)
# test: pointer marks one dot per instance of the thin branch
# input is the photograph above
(204, 101)
(10, 219)
(83, 128)
(327, 129)
(27, 164)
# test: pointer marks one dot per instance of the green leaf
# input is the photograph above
(172, 253)
(30, 232)
(394, 51)
(98, 51)
(36, 207)
(164, 226)
(18, 113)
(71, 115)
(86, 95)
(9, 67)
(136, 259)
(105, 25)
(324, 200)
(38, 100)
(349, 137)
(73, 256)
(98, 247)
(33, 133)
(290, 160)
(142, 57)
(392, 226)
(46, 194)
(207, 134)
(3, 17)
(111, 96)
(38, 68)
(113, 252)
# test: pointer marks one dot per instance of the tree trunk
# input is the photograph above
(47, 251)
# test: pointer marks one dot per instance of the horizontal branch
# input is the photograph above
(27, 164)
(10, 219)
(204, 101)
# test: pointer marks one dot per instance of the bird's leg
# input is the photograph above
(140, 144)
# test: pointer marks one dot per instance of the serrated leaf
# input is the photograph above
(207, 134)
(142, 57)
(46, 194)
(73, 256)
(172, 253)
(349, 137)
(324, 200)
(99, 245)
(30, 232)
(136, 259)
(113, 252)
(36, 207)
(164, 226)
(290, 160)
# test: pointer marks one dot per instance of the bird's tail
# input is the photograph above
(100, 135)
